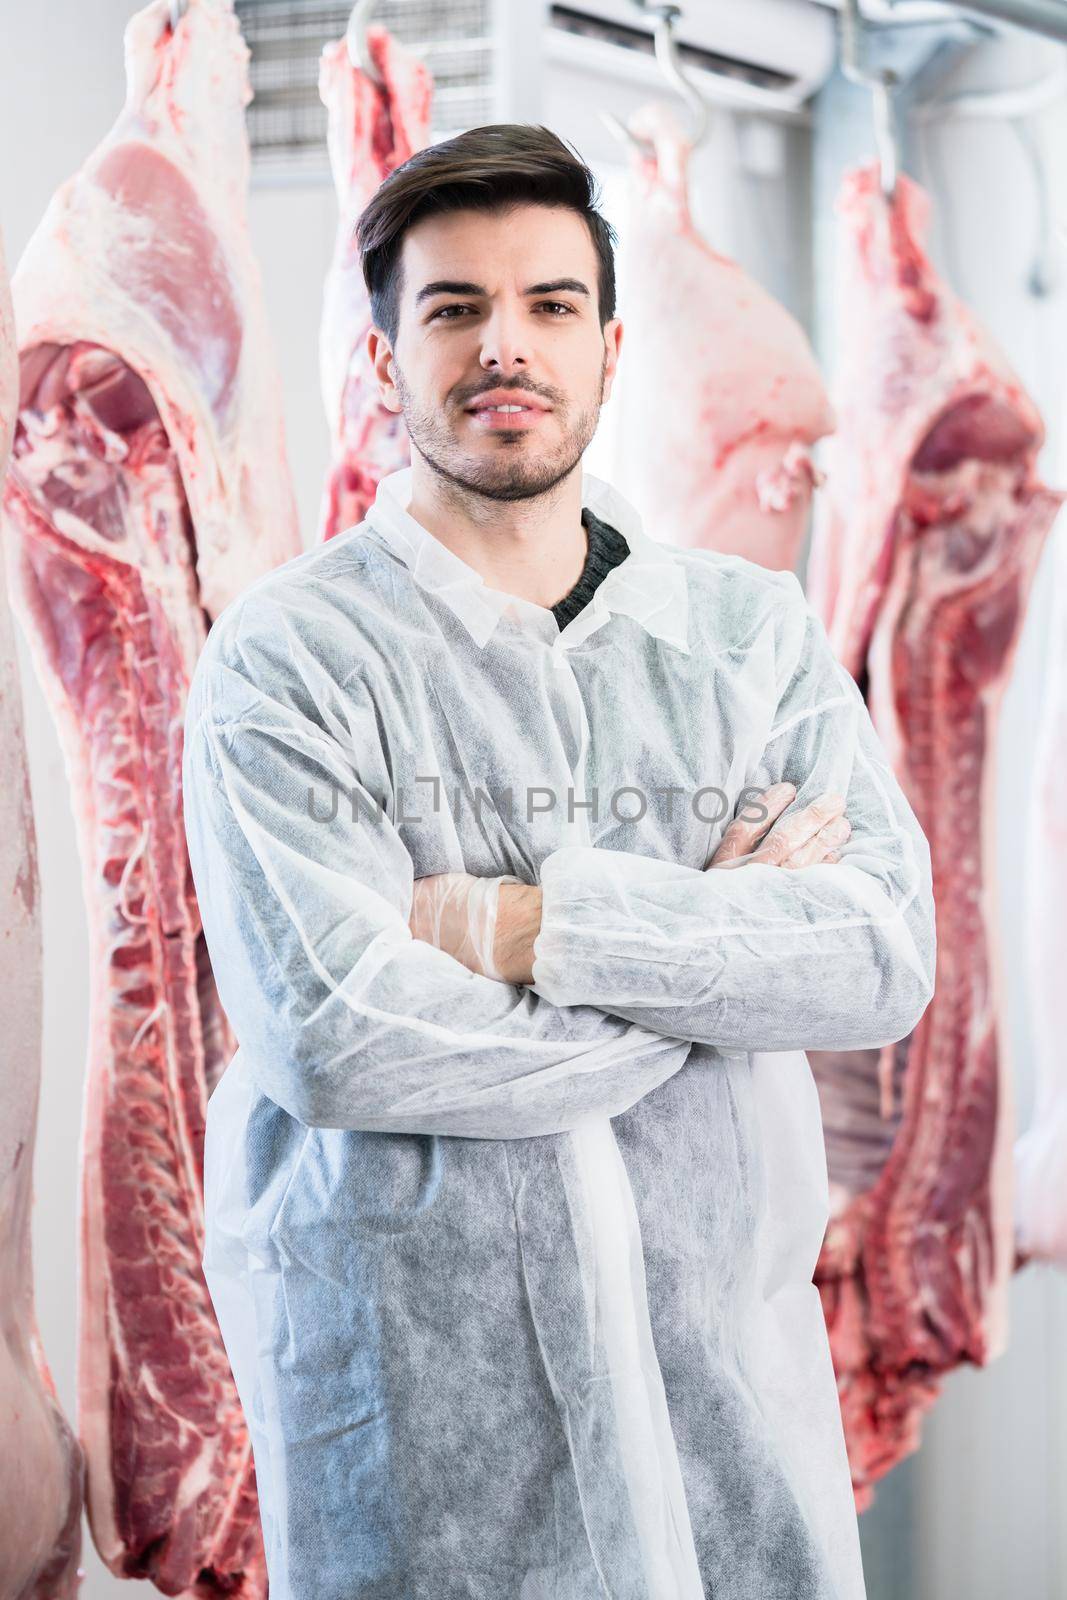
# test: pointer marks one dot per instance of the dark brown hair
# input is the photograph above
(485, 169)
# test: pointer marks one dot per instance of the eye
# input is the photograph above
(559, 305)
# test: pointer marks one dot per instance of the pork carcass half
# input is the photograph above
(1041, 1151)
(719, 394)
(921, 571)
(372, 130)
(148, 486)
(41, 1465)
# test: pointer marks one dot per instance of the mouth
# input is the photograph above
(505, 415)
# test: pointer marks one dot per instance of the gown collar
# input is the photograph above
(649, 586)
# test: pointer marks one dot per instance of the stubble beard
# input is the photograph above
(512, 466)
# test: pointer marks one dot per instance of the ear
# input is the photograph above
(380, 356)
(612, 351)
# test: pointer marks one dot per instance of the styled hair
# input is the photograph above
(491, 169)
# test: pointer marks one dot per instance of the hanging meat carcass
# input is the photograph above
(720, 398)
(921, 571)
(1041, 1152)
(41, 1463)
(148, 486)
(372, 130)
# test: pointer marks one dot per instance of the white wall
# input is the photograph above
(978, 1514)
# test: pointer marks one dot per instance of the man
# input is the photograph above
(511, 1217)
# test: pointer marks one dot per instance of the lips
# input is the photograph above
(490, 421)
(486, 402)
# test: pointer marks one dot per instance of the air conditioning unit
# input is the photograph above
(763, 54)
(900, 11)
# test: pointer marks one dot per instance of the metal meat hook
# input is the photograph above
(356, 40)
(664, 18)
(881, 85)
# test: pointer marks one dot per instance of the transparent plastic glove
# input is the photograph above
(808, 838)
(457, 912)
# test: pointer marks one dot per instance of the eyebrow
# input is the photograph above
(453, 286)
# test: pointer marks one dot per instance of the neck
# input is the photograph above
(533, 548)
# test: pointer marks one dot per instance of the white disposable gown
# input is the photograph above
(516, 1282)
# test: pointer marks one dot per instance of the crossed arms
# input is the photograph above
(491, 925)
(347, 1020)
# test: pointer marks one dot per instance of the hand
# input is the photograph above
(488, 924)
(810, 837)
(457, 911)
(518, 924)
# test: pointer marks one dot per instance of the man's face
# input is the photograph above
(519, 315)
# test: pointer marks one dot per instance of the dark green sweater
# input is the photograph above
(606, 548)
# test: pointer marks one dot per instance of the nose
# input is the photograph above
(505, 340)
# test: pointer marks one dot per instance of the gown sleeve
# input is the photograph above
(343, 1018)
(756, 957)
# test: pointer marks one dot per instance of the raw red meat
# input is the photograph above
(1041, 1152)
(372, 131)
(719, 394)
(921, 574)
(149, 485)
(41, 1463)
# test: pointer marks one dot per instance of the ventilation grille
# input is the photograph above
(287, 120)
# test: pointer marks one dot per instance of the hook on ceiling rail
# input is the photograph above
(356, 40)
(664, 18)
(881, 84)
